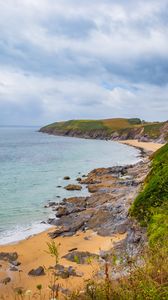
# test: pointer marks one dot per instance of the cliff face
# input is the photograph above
(112, 129)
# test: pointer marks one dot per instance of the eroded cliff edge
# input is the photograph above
(111, 129)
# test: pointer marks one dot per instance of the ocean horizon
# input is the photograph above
(33, 166)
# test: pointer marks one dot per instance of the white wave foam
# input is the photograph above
(21, 233)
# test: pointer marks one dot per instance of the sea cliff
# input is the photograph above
(111, 129)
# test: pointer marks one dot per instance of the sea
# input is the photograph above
(32, 168)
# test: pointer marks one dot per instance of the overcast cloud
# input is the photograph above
(67, 59)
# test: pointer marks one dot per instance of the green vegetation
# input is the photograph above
(135, 121)
(155, 191)
(153, 130)
(148, 282)
(120, 126)
(151, 209)
(83, 125)
(151, 205)
(89, 125)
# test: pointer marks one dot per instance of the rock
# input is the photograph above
(37, 272)
(13, 269)
(52, 221)
(62, 272)
(121, 228)
(90, 180)
(62, 211)
(81, 257)
(73, 187)
(67, 178)
(59, 231)
(59, 186)
(78, 179)
(70, 229)
(128, 182)
(66, 210)
(75, 201)
(15, 263)
(67, 234)
(66, 272)
(8, 256)
(6, 280)
(51, 203)
(93, 188)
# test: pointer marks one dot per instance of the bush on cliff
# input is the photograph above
(155, 192)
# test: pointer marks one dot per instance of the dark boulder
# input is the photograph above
(37, 272)
(73, 187)
(6, 256)
(66, 272)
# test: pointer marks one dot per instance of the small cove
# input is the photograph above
(33, 165)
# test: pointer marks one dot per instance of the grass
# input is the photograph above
(107, 127)
(155, 191)
(153, 130)
(89, 125)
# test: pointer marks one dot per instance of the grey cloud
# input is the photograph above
(83, 59)
(76, 28)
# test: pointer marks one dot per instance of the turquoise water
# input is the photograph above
(33, 164)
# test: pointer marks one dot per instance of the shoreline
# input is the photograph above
(41, 222)
(84, 239)
(144, 146)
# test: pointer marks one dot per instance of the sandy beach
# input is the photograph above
(147, 146)
(32, 253)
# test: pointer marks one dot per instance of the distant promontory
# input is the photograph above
(111, 129)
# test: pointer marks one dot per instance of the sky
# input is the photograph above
(82, 59)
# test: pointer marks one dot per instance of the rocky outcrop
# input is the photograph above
(106, 211)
